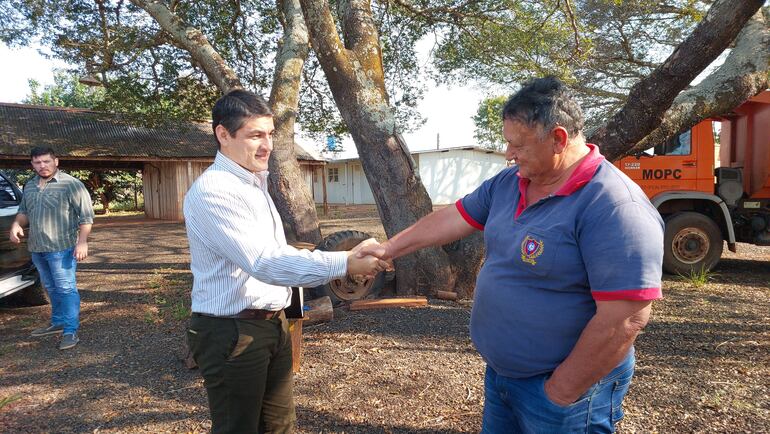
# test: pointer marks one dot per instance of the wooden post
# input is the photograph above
(295, 331)
(323, 180)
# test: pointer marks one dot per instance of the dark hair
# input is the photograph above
(234, 108)
(546, 102)
(39, 151)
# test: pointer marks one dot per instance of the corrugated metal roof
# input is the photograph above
(86, 134)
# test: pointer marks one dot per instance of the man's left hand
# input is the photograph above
(81, 251)
(552, 393)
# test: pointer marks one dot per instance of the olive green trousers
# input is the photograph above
(246, 368)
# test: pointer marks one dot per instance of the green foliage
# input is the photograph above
(144, 76)
(66, 91)
(20, 176)
(107, 186)
(600, 47)
(150, 80)
(489, 123)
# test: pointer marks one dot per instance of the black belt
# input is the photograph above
(247, 314)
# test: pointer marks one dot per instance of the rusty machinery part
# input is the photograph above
(348, 288)
(693, 243)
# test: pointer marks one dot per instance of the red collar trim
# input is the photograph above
(583, 173)
(580, 177)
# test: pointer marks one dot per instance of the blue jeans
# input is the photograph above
(519, 405)
(57, 272)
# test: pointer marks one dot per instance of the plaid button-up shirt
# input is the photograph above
(55, 212)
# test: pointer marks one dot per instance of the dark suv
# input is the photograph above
(18, 276)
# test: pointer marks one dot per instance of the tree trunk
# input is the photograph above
(652, 96)
(292, 199)
(356, 78)
(294, 203)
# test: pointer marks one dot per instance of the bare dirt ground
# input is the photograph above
(704, 359)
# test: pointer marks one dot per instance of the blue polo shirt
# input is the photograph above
(597, 238)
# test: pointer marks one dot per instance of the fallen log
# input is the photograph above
(384, 303)
(446, 295)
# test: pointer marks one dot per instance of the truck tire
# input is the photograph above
(693, 243)
(347, 289)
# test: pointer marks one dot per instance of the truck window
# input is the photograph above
(677, 145)
(7, 194)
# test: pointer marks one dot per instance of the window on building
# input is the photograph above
(334, 174)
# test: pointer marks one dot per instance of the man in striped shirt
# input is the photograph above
(58, 209)
(242, 270)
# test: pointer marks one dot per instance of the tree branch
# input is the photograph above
(193, 40)
(652, 96)
(743, 74)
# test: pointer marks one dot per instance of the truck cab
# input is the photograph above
(706, 200)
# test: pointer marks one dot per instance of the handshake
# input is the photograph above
(368, 258)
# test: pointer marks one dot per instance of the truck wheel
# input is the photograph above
(347, 288)
(693, 242)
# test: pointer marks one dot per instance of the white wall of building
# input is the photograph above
(450, 175)
(447, 175)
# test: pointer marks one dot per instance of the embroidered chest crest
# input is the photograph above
(531, 248)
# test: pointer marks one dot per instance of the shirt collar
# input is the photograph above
(225, 163)
(582, 174)
(55, 177)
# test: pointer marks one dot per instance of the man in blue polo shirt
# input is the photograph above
(573, 261)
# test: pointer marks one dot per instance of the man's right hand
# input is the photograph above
(376, 250)
(366, 264)
(17, 232)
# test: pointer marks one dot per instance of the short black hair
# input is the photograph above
(234, 108)
(39, 151)
(546, 102)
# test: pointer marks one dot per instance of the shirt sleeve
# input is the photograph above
(81, 201)
(226, 225)
(622, 249)
(23, 203)
(474, 207)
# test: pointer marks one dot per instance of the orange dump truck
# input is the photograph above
(705, 202)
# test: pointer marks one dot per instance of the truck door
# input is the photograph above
(671, 166)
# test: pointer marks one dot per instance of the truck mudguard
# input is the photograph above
(658, 200)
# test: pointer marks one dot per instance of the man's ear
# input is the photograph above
(56, 162)
(221, 133)
(560, 137)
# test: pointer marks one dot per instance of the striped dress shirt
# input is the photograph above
(239, 256)
(55, 212)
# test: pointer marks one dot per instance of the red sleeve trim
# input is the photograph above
(628, 294)
(467, 217)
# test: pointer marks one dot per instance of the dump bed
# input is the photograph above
(745, 142)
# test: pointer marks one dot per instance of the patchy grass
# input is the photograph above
(9, 399)
(697, 278)
(170, 291)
